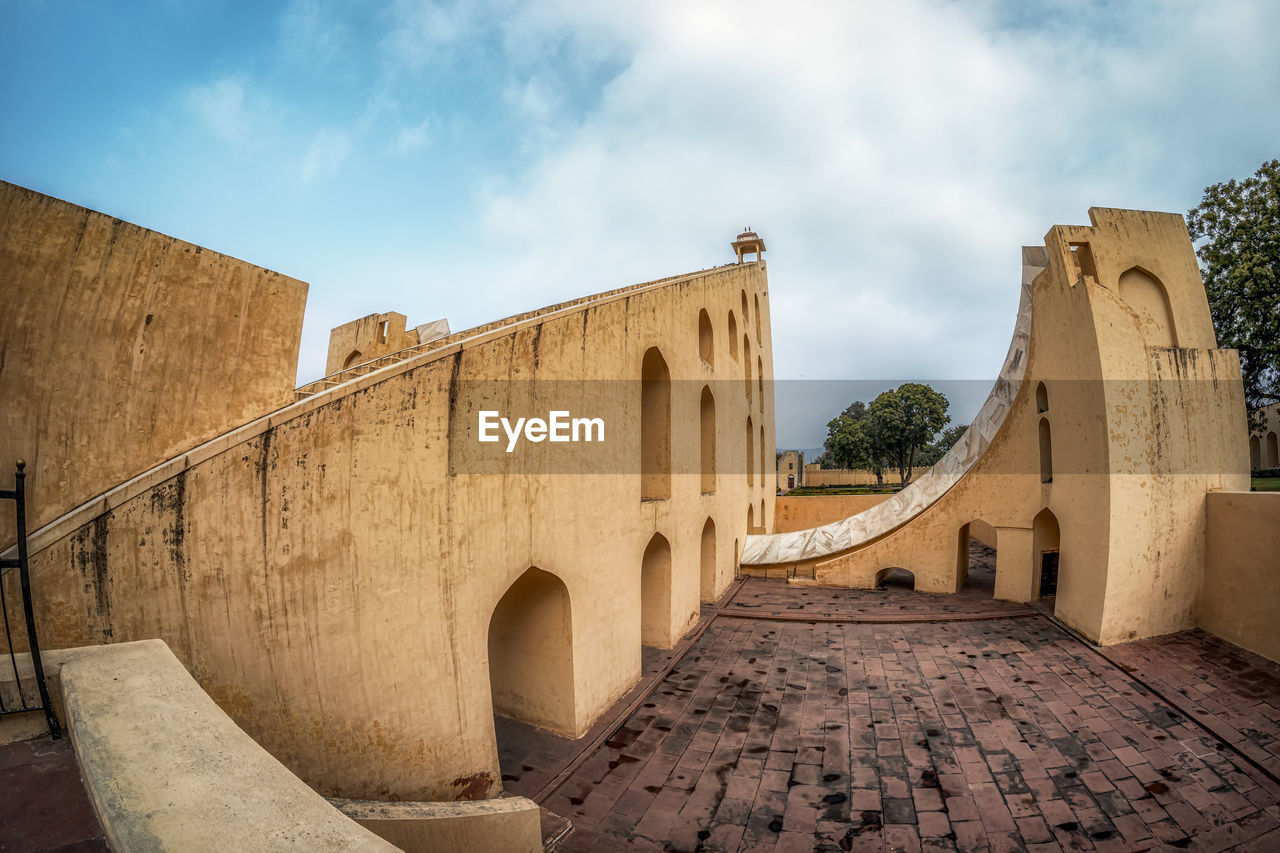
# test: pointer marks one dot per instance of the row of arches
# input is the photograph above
(530, 639)
(1045, 434)
(1264, 451)
(1046, 538)
(707, 351)
(655, 434)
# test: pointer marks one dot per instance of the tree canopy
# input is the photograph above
(1237, 226)
(895, 432)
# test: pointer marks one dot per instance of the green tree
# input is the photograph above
(856, 410)
(894, 432)
(1237, 225)
(904, 420)
(931, 453)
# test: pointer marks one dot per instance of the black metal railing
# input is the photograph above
(18, 495)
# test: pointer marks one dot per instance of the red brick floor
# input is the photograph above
(1001, 733)
(43, 804)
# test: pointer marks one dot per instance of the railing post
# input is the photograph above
(24, 574)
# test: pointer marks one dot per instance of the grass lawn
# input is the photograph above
(1266, 484)
(851, 490)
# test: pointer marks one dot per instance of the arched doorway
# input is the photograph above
(1273, 451)
(706, 338)
(353, 359)
(655, 427)
(1255, 452)
(896, 577)
(1046, 452)
(708, 561)
(707, 427)
(976, 558)
(655, 594)
(1045, 537)
(531, 653)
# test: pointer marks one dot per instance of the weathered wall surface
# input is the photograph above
(812, 510)
(125, 348)
(1239, 602)
(329, 575)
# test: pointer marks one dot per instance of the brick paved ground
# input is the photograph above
(1004, 734)
(43, 803)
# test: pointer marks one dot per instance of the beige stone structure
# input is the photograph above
(359, 583)
(360, 577)
(123, 348)
(815, 475)
(790, 470)
(1264, 443)
(802, 513)
(1115, 415)
(370, 338)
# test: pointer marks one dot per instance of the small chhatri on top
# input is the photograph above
(748, 243)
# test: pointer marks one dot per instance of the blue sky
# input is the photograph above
(471, 160)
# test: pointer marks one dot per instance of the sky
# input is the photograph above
(472, 160)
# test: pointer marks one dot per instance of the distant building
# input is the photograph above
(791, 469)
(1264, 450)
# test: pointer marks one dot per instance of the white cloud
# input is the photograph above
(411, 138)
(325, 154)
(894, 156)
(220, 107)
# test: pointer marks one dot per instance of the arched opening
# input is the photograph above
(1042, 398)
(759, 336)
(707, 463)
(531, 654)
(762, 516)
(733, 336)
(1273, 451)
(1255, 452)
(751, 519)
(746, 364)
(760, 382)
(895, 577)
(1046, 452)
(764, 468)
(352, 360)
(708, 553)
(706, 338)
(791, 481)
(1045, 537)
(746, 315)
(976, 558)
(655, 594)
(737, 558)
(655, 427)
(751, 454)
(1144, 293)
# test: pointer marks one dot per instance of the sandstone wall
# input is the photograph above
(798, 513)
(1239, 601)
(121, 347)
(329, 574)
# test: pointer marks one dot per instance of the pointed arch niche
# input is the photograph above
(531, 653)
